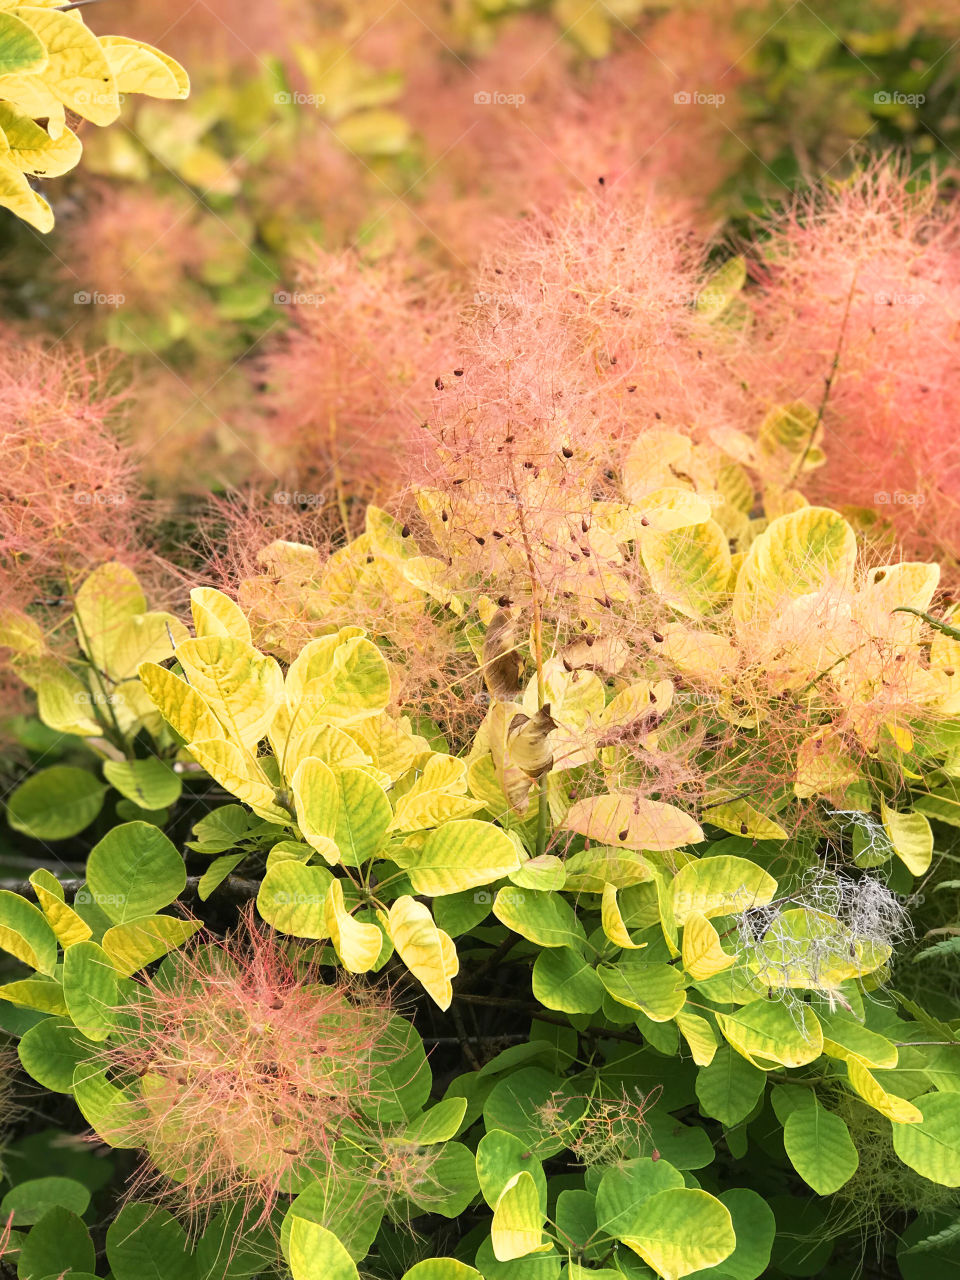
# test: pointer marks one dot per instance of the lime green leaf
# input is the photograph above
(149, 783)
(58, 1244)
(563, 980)
(911, 836)
(699, 1035)
(43, 994)
(625, 1188)
(689, 568)
(543, 918)
(292, 898)
(439, 1124)
(819, 1146)
(26, 934)
(932, 1146)
(654, 989)
(134, 871)
(796, 554)
(214, 614)
(442, 1269)
(91, 989)
(363, 816)
(767, 1033)
(56, 803)
(500, 1157)
(21, 49)
(720, 886)
(316, 1254)
(51, 1051)
(317, 799)
(517, 1227)
(755, 1227)
(462, 854)
(138, 943)
(683, 1230)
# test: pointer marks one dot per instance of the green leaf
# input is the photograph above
(563, 980)
(730, 1087)
(450, 1183)
(149, 783)
(316, 1254)
(932, 1146)
(145, 1242)
(819, 1146)
(462, 854)
(400, 1079)
(56, 803)
(59, 1243)
(21, 50)
(543, 918)
(134, 871)
(30, 1201)
(656, 990)
(25, 933)
(51, 1051)
(515, 1104)
(91, 989)
(341, 1199)
(682, 1231)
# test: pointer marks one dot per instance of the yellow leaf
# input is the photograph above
(427, 951)
(824, 765)
(612, 921)
(317, 799)
(242, 686)
(77, 71)
(740, 818)
(358, 945)
(180, 704)
(701, 952)
(238, 772)
(149, 637)
(689, 568)
(107, 599)
(63, 920)
(767, 1033)
(19, 197)
(632, 822)
(517, 1227)
(138, 943)
(863, 1082)
(32, 150)
(699, 1035)
(215, 614)
(139, 68)
(911, 836)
